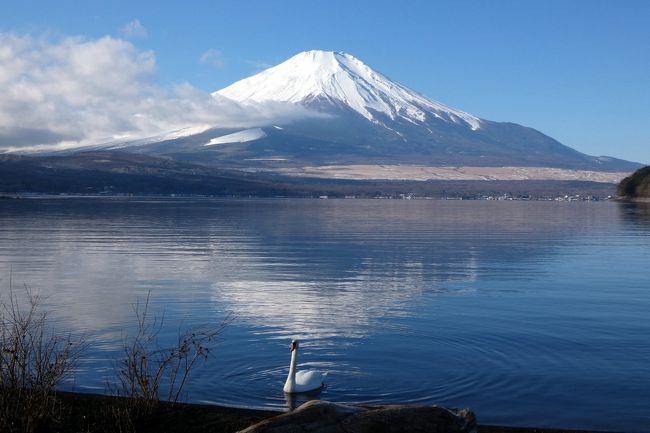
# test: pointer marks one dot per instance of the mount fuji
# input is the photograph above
(350, 131)
(361, 117)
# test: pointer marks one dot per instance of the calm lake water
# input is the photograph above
(530, 313)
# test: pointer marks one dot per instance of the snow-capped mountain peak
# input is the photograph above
(341, 78)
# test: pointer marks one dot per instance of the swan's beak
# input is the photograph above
(294, 346)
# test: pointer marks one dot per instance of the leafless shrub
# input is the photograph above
(149, 372)
(33, 361)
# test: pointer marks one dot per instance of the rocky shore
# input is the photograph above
(95, 413)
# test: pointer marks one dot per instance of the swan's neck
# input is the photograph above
(294, 361)
(291, 378)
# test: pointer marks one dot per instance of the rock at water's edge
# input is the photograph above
(323, 417)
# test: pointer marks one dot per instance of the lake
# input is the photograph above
(530, 313)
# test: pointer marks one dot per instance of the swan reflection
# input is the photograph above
(294, 400)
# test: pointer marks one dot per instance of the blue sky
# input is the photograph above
(576, 70)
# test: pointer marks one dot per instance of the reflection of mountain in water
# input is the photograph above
(328, 267)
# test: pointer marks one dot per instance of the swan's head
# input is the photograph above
(294, 345)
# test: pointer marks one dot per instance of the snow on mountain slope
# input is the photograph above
(238, 137)
(342, 78)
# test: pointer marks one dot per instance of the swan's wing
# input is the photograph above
(308, 376)
(309, 379)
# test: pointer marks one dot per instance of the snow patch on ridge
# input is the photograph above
(239, 137)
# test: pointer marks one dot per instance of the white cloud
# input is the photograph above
(134, 29)
(76, 92)
(213, 58)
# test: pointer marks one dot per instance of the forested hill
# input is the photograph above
(636, 186)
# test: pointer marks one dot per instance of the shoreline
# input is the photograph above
(408, 197)
(89, 412)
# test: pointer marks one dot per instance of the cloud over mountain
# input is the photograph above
(78, 91)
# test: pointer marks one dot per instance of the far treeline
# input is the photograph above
(636, 186)
(121, 173)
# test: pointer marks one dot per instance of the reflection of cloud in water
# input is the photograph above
(303, 310)
(299, 307)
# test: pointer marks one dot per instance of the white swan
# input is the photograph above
(301, 381)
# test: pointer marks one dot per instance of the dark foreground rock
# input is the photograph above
(323, 417)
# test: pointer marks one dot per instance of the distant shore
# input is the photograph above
(400, 196)
(89, 412)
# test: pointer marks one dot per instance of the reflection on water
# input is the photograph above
(636, 214)
(295, 400)
(517, 309)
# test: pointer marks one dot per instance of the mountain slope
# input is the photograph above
(375, 120)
